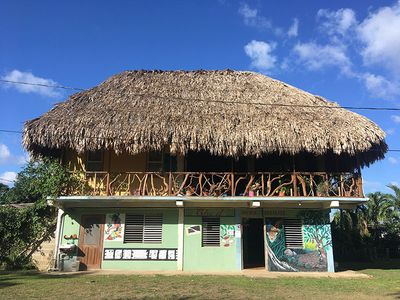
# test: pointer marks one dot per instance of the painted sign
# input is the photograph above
(192, 230)
(215, 212)
(114, 227)
(140, 254)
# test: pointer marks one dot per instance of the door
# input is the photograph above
(91, 241)
(253, 243)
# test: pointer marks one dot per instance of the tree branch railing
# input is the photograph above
(213, 184)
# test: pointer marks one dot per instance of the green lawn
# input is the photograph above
(384, 284)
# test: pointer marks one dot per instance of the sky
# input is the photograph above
(344, 51)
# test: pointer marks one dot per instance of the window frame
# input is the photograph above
(204, 225)
(99, 162)
(150, 233)
(160, 162)
(293, 233)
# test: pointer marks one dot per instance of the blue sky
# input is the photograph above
(345, 51)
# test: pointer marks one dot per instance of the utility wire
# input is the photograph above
(43, 85)
(214, 101)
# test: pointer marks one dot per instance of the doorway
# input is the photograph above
(253, 243)
(91, 241)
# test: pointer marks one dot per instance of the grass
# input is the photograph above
(17, 285)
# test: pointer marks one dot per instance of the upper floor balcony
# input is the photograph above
(221, 184)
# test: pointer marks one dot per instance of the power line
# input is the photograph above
(43, 85)
(10, 131)
(118, 138)
(214, 101)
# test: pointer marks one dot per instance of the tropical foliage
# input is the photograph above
(23, 228)
(370, 230)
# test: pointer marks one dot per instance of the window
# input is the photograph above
(158, 161)
(155, 161)
(94, 161)
(210, 232)
(143, 229)
(293, 233)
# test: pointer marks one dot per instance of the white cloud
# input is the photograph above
(379, 86)
(336, 22)
(380, 34)
(395, 119)
(393, 160)
(316, 57)
(390, 131)
(4, 152)
(252, 18)
(260, 54)
(28, 77)
(8, 178)
(6, 157)
(294, 29)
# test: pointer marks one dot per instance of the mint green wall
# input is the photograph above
(169, 240)
(71, 226)
(198, 258)
(169, 237)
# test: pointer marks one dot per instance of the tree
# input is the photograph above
(23, 230)
(396, 197)
(3, 190)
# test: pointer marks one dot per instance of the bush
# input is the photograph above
(23, 230)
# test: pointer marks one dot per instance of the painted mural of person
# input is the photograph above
(114, 230)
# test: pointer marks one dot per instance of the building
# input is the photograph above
(203, 171)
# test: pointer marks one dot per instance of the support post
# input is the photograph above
(58, 237)
(181, 229)
(238, 239)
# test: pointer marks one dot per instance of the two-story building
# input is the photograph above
(203, 171)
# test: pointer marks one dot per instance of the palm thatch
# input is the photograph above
(225, 112)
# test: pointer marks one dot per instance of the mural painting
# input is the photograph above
(114, 227)
(192, 230)
(227, 235)
(316, 242)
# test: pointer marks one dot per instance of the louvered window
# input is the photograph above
(210, 232)
(293, 233)
(143, 229)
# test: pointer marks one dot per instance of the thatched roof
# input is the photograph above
(219, 111)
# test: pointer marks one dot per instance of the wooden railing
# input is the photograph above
(203, 184)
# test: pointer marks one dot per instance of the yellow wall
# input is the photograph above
(112, 162)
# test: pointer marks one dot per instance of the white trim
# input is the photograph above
(211, 199)
(57, 237)
(181, 229)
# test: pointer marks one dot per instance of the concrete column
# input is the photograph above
(329, 255)
(58, 236)
(238, 239)
(181, 233)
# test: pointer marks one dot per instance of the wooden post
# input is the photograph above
(341, 191)
(232, 184)
(294, 178)
(108, 184)
(262, 185)
(95, 184)
(129, 184)
(170, 184)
